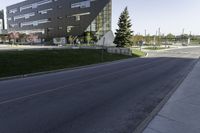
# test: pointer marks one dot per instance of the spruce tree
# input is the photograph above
(124, 33)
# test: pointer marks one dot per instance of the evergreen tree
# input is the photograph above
(124, 33)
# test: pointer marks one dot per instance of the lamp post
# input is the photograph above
(102, 51)
(159, 39)
(182, 38)
(145, 34)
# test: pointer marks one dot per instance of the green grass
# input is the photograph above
(155, 48)
(138, 53)
(30, 61)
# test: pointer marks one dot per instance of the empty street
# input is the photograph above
(107, 98)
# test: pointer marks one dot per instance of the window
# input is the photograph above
(43, 2)
(59, 17)
(25, 7)
(9, 19)
(12, 25)
(84, 4)
(50, 29)
(45, 11)
(33, 31)
(35, 23)
(26, 16)
(78, 16)
(60, 28)
(59, 6)
(102, 23)
(69, 28)
(13, 10)
(35, 5)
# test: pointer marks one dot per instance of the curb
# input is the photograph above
(172, 48)
(61, 70)
(140, 128)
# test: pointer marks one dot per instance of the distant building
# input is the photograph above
(2, 22)
(60, 18)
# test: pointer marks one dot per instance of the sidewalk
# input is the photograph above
(181, 114)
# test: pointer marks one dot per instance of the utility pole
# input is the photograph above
(183, 31)
(165, 36)
(155, 39)
(145, 35)
(189, 38)
(182, 38)
(159, 36)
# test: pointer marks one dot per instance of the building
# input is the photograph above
(2, 24)
(60, 18)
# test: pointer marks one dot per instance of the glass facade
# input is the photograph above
(102, 23)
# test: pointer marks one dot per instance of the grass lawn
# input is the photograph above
(30, 61)
(138, 53)
(155, 48)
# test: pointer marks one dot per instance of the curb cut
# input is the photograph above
(140, 128)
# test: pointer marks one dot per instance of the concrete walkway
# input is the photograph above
(181, 114)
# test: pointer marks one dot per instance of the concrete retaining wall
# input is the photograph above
(123, 51)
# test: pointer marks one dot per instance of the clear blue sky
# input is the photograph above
(170, 15)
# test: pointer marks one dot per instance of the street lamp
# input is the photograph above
(102, 51)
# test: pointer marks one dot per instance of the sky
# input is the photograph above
(171, 16)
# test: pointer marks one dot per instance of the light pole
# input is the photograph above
(189, 38)
(165, 36)
(155, 38)
(159, 36)
(102, 51)
(182, 38)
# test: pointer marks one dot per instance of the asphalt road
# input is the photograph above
(109, 98)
